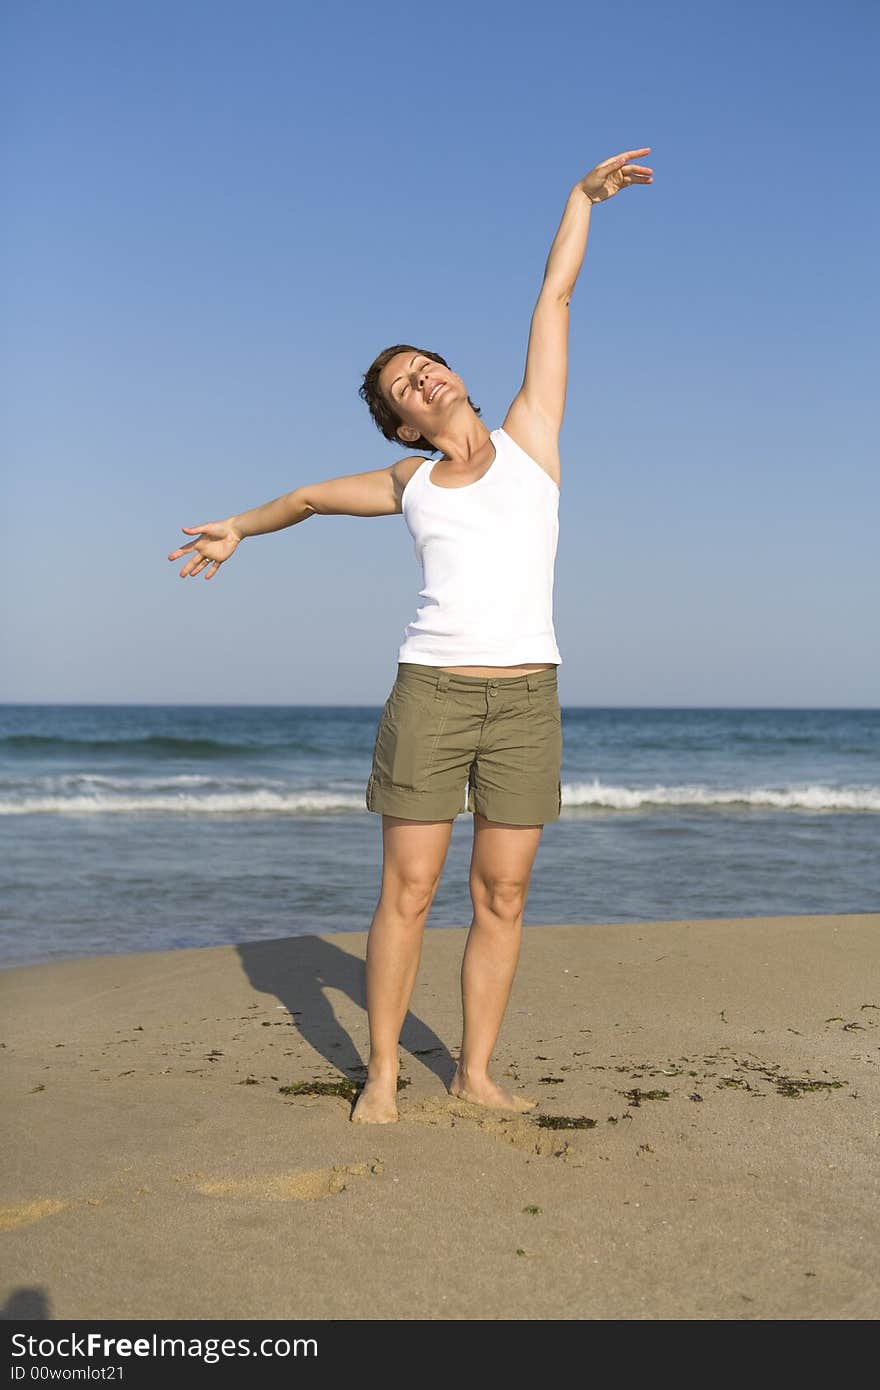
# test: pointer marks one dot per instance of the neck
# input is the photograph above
(461, 439)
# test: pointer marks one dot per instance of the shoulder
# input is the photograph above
(535, 436)
(402, 471)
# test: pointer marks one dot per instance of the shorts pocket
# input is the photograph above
(544, 737)
(409, 732)
(544, 702)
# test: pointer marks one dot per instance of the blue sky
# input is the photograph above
(216, 215)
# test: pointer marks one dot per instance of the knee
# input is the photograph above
(502, 898)
(408, 896)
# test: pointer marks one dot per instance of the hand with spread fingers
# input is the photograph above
(615, 173)
(215, 543)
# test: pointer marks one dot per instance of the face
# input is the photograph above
(421, 391)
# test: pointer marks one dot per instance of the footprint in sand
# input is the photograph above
(16, 1214)
(301, 1185)
(518, 1130)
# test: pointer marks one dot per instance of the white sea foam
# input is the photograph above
(114, 796)
(813, 797)
(238, 803)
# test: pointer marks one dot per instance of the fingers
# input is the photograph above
(204, 530)
(197, 562)
(181, 550)
(621, 161)
(193, 565)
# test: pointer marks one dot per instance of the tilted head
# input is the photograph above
(401, 391)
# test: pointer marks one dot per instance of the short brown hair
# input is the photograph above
(384, 418)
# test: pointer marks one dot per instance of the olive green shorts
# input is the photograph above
(443, 736)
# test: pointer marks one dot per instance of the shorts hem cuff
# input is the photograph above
(410, 805)
(511, 809)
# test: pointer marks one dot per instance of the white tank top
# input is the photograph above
(487, 552)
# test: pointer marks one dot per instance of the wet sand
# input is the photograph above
(179, 1143)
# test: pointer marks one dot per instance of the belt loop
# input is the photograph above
(443, 682)
(532, 679)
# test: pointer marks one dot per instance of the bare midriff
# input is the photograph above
(498, 670)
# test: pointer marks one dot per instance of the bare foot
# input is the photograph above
(484, 1091)
(377, 1102)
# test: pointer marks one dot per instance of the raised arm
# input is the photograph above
(376, 493)
(538, 408)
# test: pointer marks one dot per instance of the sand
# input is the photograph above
(722, 1076)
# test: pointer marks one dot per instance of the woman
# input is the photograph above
(475, 699)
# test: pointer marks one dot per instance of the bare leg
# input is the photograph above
(414, 855)
(501, 868)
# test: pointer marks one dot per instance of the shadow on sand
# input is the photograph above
(300, 970)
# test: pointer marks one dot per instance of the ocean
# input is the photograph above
(147, 827)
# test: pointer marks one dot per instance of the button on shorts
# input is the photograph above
(448, 743)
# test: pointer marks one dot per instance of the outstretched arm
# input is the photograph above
(376, 493)
(542, 393)
(357, 494)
